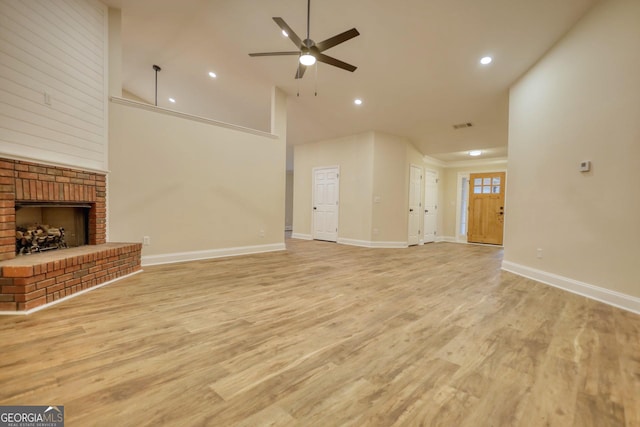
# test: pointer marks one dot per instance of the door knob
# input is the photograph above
(314, 208)
(426, 211)
(410, 210)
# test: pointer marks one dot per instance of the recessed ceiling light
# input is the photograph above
(475, 153)
(358, 101)
(173, 101)
(284, 33)
(212, 74)
(486, 60)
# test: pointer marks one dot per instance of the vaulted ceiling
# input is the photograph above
(418, 64)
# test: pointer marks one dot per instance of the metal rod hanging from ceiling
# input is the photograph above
(308, 17)
(157, 68)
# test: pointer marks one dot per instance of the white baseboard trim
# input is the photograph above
(616, 299)
(449, 239)
(301, 236)
(370, 244)
(68, 297)
(209, 254)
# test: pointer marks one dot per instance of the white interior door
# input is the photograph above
(430, 206)
(325, 203)
(415, 206)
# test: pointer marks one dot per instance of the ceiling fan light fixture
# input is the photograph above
(475, 153)
(486, 60)
(307, 59)
(358, 101)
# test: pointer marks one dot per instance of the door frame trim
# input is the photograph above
(421, 194)
(465, 174)
(424, 181)
(313, 197)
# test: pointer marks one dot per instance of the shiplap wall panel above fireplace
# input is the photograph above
(53, 82)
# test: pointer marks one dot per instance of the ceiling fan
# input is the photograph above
(310, 51)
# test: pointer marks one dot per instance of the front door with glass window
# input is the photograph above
(486, 208)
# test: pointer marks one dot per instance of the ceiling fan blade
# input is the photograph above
(300, 71)
(321, 57)
(290, 33)
(336, 40)
(275, 53)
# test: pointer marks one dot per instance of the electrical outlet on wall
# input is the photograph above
(146, 240)
(539, 253)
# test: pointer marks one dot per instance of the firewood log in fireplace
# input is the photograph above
(39, 237)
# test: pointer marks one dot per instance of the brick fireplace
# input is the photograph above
(28, 281)
(31, 182)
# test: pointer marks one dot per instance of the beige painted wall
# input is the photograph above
(132, 96)
(390, 189)
(354, 156)
(192, 186)
(580, 102)
(374, 185)
(115, 52)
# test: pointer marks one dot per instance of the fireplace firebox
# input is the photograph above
(42, 226)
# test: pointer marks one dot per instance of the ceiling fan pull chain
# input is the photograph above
(316, 89)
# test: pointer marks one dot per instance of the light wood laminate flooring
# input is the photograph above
(328, 335)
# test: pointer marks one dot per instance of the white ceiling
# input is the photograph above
(418, 64)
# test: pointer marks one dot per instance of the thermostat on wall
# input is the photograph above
(585, 166)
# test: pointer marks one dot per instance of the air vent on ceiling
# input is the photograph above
(463, 125)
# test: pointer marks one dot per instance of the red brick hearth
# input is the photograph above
(29, 281)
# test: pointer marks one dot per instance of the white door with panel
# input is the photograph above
(325, 203)
(430, 206)
(415, 205)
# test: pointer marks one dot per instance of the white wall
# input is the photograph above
(197, 189)
(58, 48)
(581, 101)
